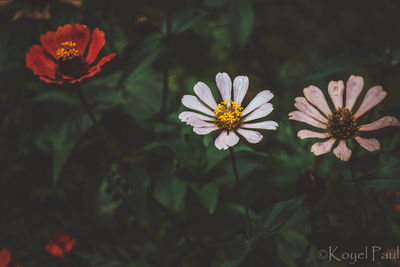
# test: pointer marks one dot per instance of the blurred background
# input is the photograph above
(172, 199)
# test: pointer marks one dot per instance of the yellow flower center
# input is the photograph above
(342, 124)
(67, 52)
(227, 115)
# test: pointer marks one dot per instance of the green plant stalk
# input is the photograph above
(85, 102)
(165, 88)
(237, 185)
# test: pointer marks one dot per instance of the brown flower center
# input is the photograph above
(342, 124)
(70, 61)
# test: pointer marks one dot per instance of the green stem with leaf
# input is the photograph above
(237, 185)
(85, 102)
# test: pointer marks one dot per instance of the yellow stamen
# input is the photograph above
(227, 115)
(68, 51)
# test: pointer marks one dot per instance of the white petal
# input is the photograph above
(303, 105)
(204, 93)
(240, 86)
(354, 87)
(251, 136)
(204, 130)
(219, 142)
(336, 90)
(224, 85)
(194, 103)
(315, 96)
(266, 125)
(184, 116)
(300, 116)
(370, 144)
(342, 152)
(261, 112)
(260, 99)
(231, 139)
(372, 98)
(381, 123)
(196, 122)
(322, 147)
(302, 134)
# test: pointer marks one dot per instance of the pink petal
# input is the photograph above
(336, 90)
(194, 103)
(226, 140)
(240, 86)
(372, 98)
(370, 144)
(322, 147)
(260, 99)
(204, 130)
(251, 136)
(302, 134)
(204, 93)
(184, 116)
(354, 87)
(224, 85)
(260, 112)
(315, 96)
(342, 152)
(266, 125)
(381, 123)
(300, 116)
(303, 105)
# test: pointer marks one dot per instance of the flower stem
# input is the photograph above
(85, 102)
(165, 88)
(237, 185)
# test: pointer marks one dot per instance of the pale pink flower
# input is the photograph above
(341, 124)
(228, 116)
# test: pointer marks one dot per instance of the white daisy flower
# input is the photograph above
(341, 124)
(229, 115)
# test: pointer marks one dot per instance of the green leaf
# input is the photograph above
(140, 57)
(57, 96)
(207, 195)
(169, 190)
(384, 177)
(61, 140)
(242, 18)
(185, 20)
(274, 217)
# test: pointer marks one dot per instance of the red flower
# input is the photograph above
(60, 243)
(5, 258)
(60, 59)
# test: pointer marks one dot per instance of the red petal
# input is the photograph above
(96, 68)
(39, 63)
(5, 257)
(69, 245)
(63, 33)
(47, 80)
(54, 249)
(96, 45)
(49, 43)
(81, 36)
